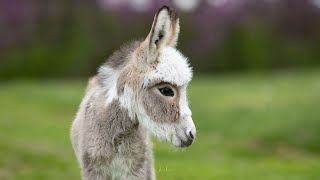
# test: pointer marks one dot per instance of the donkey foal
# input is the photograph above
(140, 89)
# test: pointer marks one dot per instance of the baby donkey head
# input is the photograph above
(152, 83)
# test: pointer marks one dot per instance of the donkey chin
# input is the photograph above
(180, 134)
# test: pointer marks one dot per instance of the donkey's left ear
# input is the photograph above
(164, 31)
(165, 28)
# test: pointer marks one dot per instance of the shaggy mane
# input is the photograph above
(120, 57)
(109, 70)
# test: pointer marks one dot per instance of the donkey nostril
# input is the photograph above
(191, 135)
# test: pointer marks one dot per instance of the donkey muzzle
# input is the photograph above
(190, 134)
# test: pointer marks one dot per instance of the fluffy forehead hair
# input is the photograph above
(172, 67)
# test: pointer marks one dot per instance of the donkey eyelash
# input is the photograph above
(159, 84)
(165, 85)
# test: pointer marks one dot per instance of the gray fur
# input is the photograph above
(106, 134)
(159, 109)
(119, 58)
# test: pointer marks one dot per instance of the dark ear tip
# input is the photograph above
(172, 13)
(164, 7)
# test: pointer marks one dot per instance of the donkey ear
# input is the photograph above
(164, 31)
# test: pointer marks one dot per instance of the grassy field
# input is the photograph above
(249, 127)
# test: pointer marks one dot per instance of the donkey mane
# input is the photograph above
(119, 57)
(116, 61)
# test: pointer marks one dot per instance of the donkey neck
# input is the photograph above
(113, 116)
(125, 130)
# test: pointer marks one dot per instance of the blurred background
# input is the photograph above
(255, 96)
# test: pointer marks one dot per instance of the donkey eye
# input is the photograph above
(166, 91)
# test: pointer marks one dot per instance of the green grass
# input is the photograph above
(252, 126)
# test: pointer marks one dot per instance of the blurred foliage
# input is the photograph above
(72, 38)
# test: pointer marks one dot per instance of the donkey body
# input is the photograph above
(141, 89)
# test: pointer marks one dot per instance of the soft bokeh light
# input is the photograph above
(187, 5)
(316, 3)
(218, 3)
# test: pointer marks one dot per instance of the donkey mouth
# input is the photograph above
(182, 142)
(183, 137)
(186, 143)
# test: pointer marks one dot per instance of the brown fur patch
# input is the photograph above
(160, 108)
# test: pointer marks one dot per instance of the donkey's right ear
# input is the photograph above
(164, 32)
